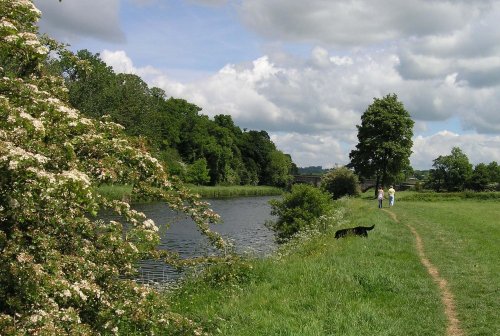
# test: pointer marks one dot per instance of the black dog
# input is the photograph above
(356, 231)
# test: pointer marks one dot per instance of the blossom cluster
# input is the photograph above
(65, 272)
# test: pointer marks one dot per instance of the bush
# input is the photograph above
(299, 209)
(341, 182)
(63, 271)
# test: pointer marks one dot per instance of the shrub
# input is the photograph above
(341, 182)
(298, 209)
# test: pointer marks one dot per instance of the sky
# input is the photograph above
(305, 71)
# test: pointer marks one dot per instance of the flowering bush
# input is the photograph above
(62, 271)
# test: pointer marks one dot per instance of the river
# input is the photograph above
(243, 223)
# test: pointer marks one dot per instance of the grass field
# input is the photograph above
(358, 286)
(462, 238)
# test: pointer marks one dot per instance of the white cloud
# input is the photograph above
(478, 148)
(312, 149)
(72, 20)
(354, 23)
(311, 108)
(119, 61)
(440, 57)
(209, 2)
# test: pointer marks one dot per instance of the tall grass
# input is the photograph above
(234, 191)
(119, 192)
(115, 191)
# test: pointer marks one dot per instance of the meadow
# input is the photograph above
(362, 286)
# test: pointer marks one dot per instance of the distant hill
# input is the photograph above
(312, 170)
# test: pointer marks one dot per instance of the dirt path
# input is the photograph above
(453, 328)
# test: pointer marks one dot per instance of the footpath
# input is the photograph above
(453, 328)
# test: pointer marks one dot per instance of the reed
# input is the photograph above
(115, 191)
(234, 191)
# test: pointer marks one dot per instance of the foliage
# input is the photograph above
(312, 170)
(450, 172)
(197, 173)
(341, 182)
(64, 272)
(234, 271)
(298, 210)
(174, 129)
(480, 178)
(385, 143)
(278, 169)
(494, 172)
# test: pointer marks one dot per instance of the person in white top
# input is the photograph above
(380, 196)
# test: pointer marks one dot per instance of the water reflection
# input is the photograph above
(243, 224)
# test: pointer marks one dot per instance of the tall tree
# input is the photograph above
(384, 136)
(450, 172)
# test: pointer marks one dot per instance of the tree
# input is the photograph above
(279, 168)
(494, 172)
(450, 172)
(256, 148)
(480, 178)
(384, 136)
(341, 182)
(62, 270)
(198, 173)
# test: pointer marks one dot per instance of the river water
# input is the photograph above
(243, 223)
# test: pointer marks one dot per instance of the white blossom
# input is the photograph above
(149, 224)
(76, 175)
(7, 24)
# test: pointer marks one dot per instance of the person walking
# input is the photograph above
(392, 193)
(380, 196)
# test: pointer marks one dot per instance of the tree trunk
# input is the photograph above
(377, 184)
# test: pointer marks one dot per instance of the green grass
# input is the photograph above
(356, 286)
(115, 191)
(234, 191)
(462, 240)
(120, 192)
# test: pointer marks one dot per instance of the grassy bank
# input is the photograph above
(115, 191)
(234, 191)
(356, 286)
(119, 192)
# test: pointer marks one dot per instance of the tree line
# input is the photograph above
(454, 172)
(194, 147)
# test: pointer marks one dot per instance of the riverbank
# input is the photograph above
(234, 191)
(120, 192)
(358, 286)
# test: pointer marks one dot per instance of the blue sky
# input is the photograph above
(305, 71)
